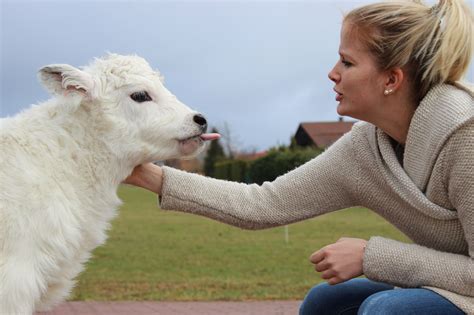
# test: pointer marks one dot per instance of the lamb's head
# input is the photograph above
(128, 102)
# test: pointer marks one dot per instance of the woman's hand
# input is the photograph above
(148, 176)
(340, 261)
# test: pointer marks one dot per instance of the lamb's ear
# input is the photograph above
(61, 78)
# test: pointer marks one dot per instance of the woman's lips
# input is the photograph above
(338, 95)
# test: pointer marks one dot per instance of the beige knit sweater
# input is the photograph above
(430, 199)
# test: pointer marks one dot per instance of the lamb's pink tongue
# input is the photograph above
(210, 136)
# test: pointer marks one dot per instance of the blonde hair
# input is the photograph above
(434, 44)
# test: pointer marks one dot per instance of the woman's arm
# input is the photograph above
(324, 184)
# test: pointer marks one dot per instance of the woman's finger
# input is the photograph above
(322, 265)
(316, 257)
(328, 274)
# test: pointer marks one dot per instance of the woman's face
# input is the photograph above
(359, 83)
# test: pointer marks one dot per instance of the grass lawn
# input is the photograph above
(164, 255)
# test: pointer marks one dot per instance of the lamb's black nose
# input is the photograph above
(201, 121)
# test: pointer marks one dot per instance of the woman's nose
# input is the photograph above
(334, 76)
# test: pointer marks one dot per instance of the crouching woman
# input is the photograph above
(411, 160)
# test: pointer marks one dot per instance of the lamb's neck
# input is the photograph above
(113, 167)
(99, 162)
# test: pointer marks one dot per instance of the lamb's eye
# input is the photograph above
(140, 97)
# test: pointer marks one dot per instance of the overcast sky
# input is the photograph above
(258, 66)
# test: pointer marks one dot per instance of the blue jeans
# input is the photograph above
(363, 297)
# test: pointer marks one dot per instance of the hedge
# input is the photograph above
(267, 168)
(277, 163)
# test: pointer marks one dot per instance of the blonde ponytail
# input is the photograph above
(434, 44)
(452, 58)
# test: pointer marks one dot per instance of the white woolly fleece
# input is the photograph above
(61, 163)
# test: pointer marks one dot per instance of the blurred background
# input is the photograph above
(254, 68)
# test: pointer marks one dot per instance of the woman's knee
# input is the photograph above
(379, 303)
(318, 299)
(406, 302)
(342, 298)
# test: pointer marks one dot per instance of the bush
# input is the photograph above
(234, 170)
(238, 171)
(279, 162)
(222, 169)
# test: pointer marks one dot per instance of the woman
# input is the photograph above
(411, 160)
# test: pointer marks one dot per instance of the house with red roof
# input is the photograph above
(321, 134)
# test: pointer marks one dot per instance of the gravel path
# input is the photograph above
(176, 308)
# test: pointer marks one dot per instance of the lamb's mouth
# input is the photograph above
(202, 137)
(190, 144)
(192, 138)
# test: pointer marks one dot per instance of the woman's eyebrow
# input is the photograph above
(346, 55)
(343, 53)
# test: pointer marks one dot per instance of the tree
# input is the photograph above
(230, 141)
(214, 153)
(293, 145)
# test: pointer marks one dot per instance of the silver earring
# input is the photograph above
(387, 91)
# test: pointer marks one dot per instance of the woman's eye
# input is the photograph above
(140, 97)
(346, 63)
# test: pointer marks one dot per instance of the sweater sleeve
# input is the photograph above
(411, 265)
(326, 183)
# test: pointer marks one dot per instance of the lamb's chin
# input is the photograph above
(190, 146)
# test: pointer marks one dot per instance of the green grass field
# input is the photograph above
(164, 255)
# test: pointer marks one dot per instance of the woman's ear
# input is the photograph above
(59, 79)
(394, 80)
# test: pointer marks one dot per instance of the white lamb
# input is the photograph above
(62, 161)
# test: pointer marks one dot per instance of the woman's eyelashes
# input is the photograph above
(346, 63)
